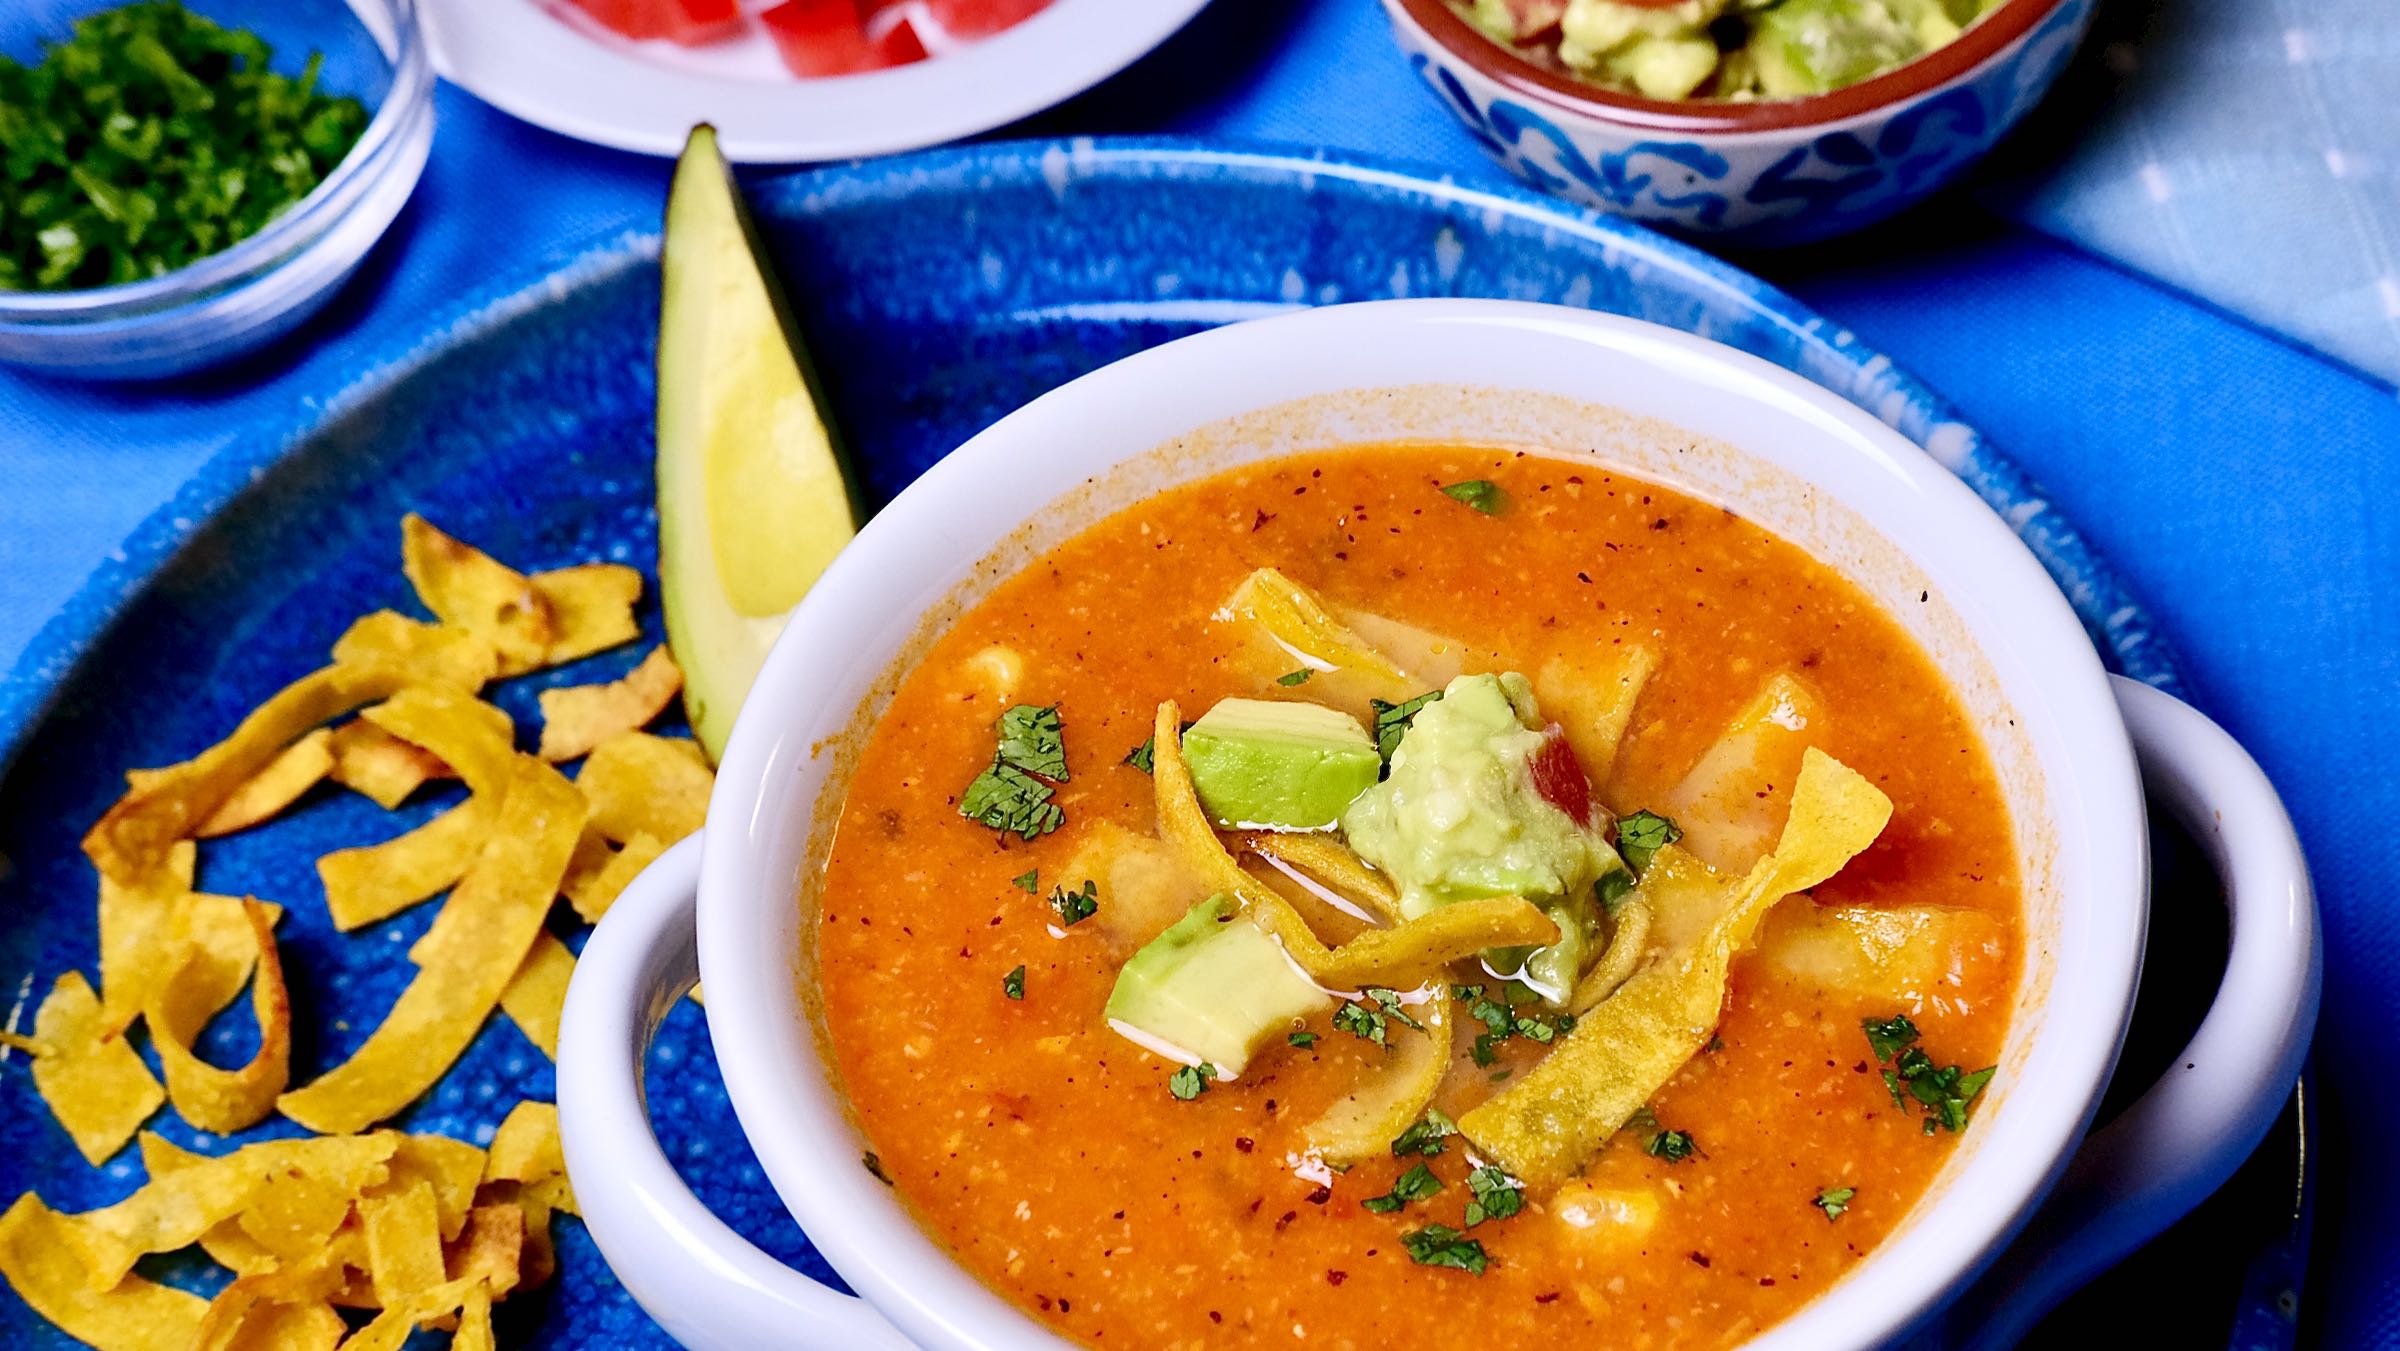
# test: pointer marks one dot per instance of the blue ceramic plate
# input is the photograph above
(940, 291)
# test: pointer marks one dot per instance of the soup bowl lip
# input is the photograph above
(777, 1076)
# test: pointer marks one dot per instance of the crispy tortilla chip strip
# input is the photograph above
(377, 881)
(1294, 619)
(137, 832)
(474, 1322)
(220, 1100)
(45, 1268)
(470, 590)
(453, 1168)
(268, 1309)
(1389, 1098)
(468, 734)
(593, 889)
(397, 1323)
(468, 957)
(579, 717)
(224, 1241)
(211, 950)
(1399, 957)
(419, 653)
(94, 1083)
(1630, 1044)
(279, 1325)
(592, 604)
(1334, 865)
(491, 1251)
(1592, 695)
(526, 1147)
(381, 766)
(273, 788)
(537, 994)
(137, 917)
(251, 1185)
(404, 1242)
(1626, 944)
(639, 784)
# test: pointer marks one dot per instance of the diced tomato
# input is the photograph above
(1558, 776)
(821, 37)
(637, 19)
(900, 44)
(968, 19)
(693, 22)
(1529, 19)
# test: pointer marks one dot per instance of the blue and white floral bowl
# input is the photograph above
(1750, 173)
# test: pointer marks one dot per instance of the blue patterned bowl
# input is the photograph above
(1749, 173)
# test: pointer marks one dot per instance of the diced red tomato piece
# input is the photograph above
(821, 37)
(900, 44)
(693, 22)
(637, 19)
(1558, 776)
(982, 18)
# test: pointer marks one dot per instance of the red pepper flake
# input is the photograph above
(1319, 1197)
(1259, 522)
(1336, 1277)
(1546, 1297)
(1700, 1260)
(1284, 1221)
(1215, 1317)
(1244, 1143)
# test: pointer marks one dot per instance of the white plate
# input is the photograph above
(555, 71)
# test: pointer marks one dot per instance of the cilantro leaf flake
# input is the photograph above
(1641, 835)
(1013, 984)
(1392, 720)
(1480, 493)
(1299, 677)
(1834, 1200)
(1191, 1081)
(1426, 1136)
(1032, 740)
(1074, 907)
(1416, 1184)
(1439, 1245)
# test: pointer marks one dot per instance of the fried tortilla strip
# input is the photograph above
(253, 1322)
(404, 1242)
(45, 1268)
(137, 917)
(273, 1190)
(136, 834)
(94, 1083)
(639, 784)
(381, 766)
(468, 734)
(1593, 697)
(579, 717)
(220, 1100)
(474, 1322)
(419, 653)
(377, 881)
(1392, 1096)
(1334, 865)
(453, 1168)
(470, 590)
(1291, 617)
(224, 1242)
(1630, 1044)
(1627, 941)
(469, 955)
(273, 788)
(537, 994)
(1734, 797)
(593, 606)
(526, 1150)
(1400, 957)
(601, 875)
(492, 1249)
(392, 1328)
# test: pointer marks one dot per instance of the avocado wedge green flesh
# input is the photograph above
(755, 491)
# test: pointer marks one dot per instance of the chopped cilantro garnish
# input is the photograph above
(1533, 1029)
(1673, 1146)
(1074, 907)
(1439, 1245)
(1465, 992)
(1492, 1015)
(1013, 984)
(1140, 757)
(1641, 835)
(1363, 1022)
(1426, 1136)
(1497, 1195)
(1389, 1001)
(1834, 1200)
(1944, 1091)
(1030, 739)
(873, 1163)
(1007, 798)
(1888, 1037)
(1715, 1044)
(1303, 1040)
(1480, 493)
(1613, 887)
(1028, 881)
(1299, 677)
(1414, 1185)
(1392, 720)
(150, 139)
(1191, 1081)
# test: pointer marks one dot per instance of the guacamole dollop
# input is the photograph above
(1460, 816)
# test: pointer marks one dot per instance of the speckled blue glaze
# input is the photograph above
(940, 291)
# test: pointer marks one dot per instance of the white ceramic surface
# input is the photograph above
(1724, 425)
(578, 80)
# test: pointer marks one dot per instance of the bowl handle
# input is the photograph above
(2187, 1134)
(707, 1286)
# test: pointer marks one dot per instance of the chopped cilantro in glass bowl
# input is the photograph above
(235, 239)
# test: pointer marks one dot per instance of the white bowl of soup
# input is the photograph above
(1432, 814)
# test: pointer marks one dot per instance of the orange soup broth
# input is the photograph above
(1046, 1151)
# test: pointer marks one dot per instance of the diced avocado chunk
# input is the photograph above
(1278, 764)
(1664, 67)
(1811, 46)
(1210, 990)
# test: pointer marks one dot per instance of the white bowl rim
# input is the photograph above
(768, 1057)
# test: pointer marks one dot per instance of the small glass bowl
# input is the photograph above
(261, 288)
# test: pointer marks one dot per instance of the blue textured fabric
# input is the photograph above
(2235, 482)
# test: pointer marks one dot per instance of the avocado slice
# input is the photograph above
(1210, 989)
(1810, 46)
(755, 492)
(1279, 765)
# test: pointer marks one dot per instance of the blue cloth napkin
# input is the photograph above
(2246, 151)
